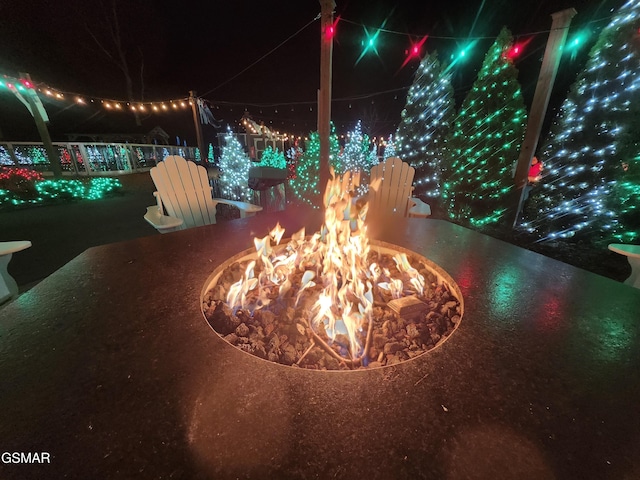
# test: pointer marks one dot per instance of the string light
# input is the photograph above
(109, 104)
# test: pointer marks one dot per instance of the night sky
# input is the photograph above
(204, 46)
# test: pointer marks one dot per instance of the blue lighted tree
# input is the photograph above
(425, 123)
(591, 190)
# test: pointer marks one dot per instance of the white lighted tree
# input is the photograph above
(390, 148)
(591, 189)
(425, 123)
(234, 169)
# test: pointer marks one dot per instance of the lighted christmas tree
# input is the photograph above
(485, 141)
(140, 160)
(390, 148)
(425, 123)
(38, 155)
(293, 157)
(305, 186)
(234, 169)
(5, 157)
(272, 158)
(373, 155)
(355, 156)
(210, 155)
(591, 188)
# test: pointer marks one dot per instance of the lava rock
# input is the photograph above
(222, 319)
(392, 347)
(242, 330)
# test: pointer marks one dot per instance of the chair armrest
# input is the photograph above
(417, 208)
(246, 209)
(13, 247)
(162, 223)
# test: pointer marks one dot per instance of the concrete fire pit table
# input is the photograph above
(109, 367)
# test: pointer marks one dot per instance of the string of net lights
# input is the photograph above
(35, 189)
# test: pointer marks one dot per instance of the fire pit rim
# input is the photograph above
(440, 273)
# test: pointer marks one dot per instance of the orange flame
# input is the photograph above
(334, 259)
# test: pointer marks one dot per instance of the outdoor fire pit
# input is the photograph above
(333, 300)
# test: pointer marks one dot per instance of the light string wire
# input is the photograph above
(444, 37)
(262, 57)
(43, 86)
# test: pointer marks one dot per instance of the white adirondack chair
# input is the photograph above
(390, 187)
(8, 286)
(183, 190)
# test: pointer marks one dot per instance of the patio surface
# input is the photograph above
(109, 366)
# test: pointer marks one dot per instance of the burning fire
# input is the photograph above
(334, 262)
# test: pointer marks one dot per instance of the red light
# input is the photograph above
(26, 83)
(414, 50)
(513, 52)
(330, 31)
(516, 49)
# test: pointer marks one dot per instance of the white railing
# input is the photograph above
(91, 159)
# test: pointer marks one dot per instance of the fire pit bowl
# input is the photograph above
(400, 329)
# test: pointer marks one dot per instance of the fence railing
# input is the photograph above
(91, 159)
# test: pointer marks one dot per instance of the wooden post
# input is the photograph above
(324, 94)
(546, 79)
(36, 109)
(196, 122)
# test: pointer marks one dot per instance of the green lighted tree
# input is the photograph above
(305, 185)
(210, 155)
(272, 158)
(38, 155)
(425, 124)
(591, 188)
(234, 168)
(484, 142)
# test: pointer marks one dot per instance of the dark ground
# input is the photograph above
(59, 233)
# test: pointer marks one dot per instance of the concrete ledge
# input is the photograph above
(111, 367)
